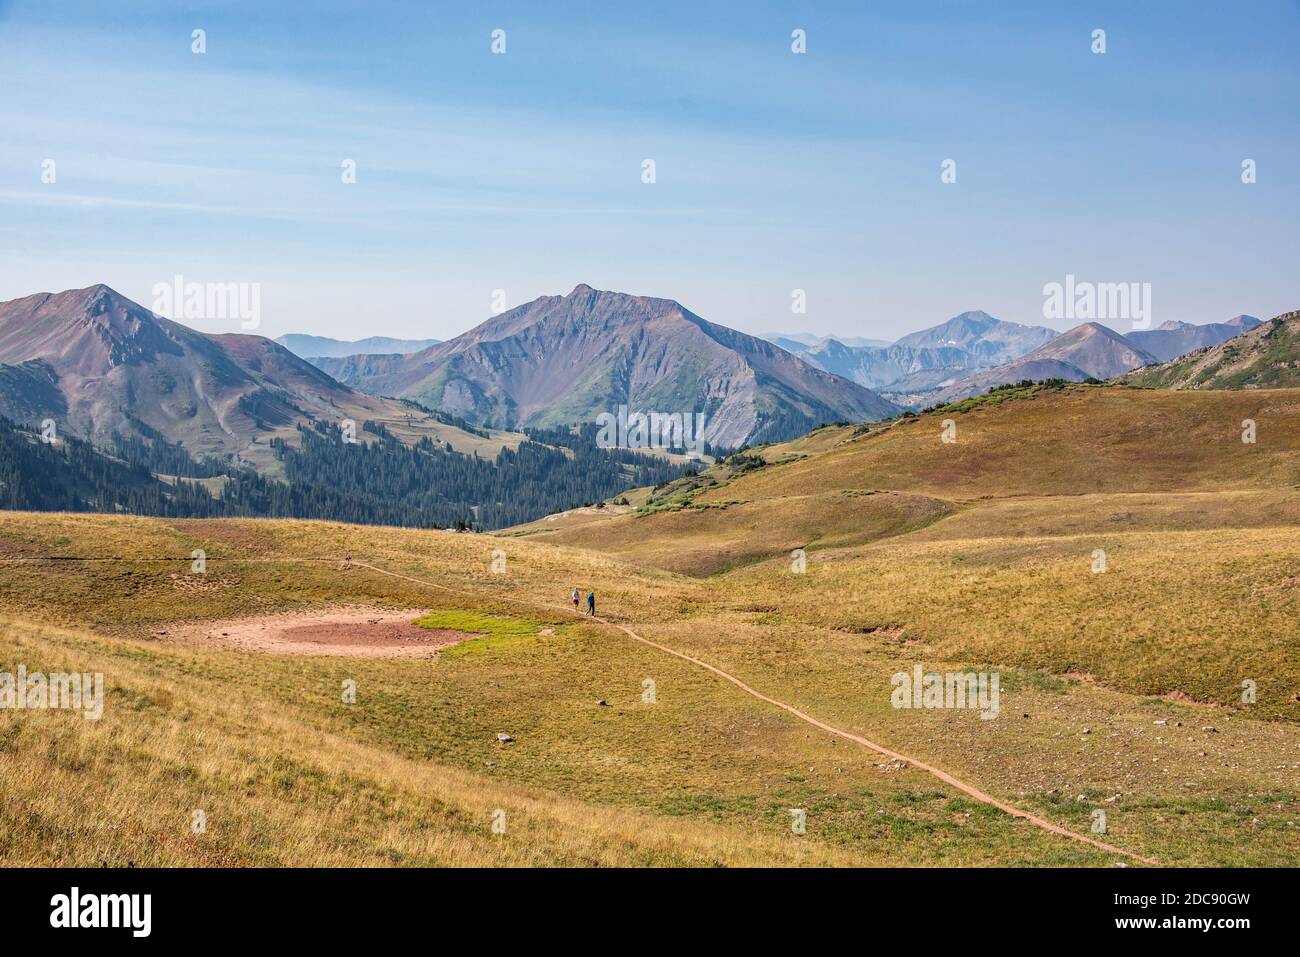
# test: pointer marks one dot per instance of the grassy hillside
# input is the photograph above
(1069, 441)
(720, 535)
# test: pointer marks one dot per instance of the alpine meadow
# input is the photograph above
(721, 438)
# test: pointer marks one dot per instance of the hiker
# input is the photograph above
(591, 603)
(574, 596)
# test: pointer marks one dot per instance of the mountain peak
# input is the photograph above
(564, 360)
(99, 291)
(1093, 329)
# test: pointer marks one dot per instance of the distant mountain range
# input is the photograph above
(1265, 356)
(1089, 351)
(1171, 339)
(151, 417)
(564, 359)
(796, 341)
(312, 347)
(155, 418)
(973, 352)
(99, 364)
(929, 358)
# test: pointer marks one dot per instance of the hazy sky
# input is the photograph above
(775, 171)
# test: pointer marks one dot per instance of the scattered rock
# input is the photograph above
(602, 703)
(1210, 729)
(504, 738)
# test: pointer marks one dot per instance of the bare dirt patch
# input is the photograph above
(350, 631)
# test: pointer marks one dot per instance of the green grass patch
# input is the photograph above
(498, 631)
(476, 623)
(1012, 680)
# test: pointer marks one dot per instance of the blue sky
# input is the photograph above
(775, 171)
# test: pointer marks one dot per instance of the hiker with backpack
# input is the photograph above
(575, 599)
(591, 603)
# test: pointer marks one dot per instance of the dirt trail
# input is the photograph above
(944, 776)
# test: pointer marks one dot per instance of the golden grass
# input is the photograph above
(274, 790)
(703, 754)
(969, 557)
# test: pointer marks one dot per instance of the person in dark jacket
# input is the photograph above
(591, 603)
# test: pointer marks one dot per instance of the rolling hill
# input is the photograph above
(983, 546)
(847, 485)
(561, 360)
